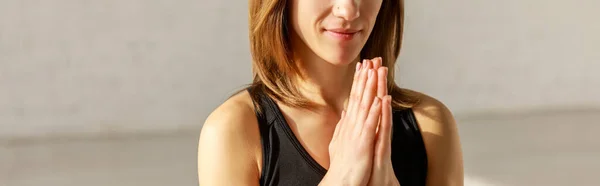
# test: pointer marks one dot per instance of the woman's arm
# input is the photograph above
(229, 146)
(440, 134)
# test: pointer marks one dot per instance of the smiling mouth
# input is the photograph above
(344, 35)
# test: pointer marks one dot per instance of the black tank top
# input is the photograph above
(287, 163)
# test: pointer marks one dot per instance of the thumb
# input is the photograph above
(337, 126)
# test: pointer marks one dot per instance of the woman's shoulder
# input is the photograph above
(442, 143)
(235, 118)
(234, 113)
(229, 144)
(431, 114)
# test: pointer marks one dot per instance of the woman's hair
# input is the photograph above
(272, 64)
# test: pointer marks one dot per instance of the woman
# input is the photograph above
(314, 115)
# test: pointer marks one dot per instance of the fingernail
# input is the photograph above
(385, 70)
(363, 66)
(357, 66)
(370, 72)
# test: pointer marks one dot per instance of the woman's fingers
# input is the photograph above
(354, 137)
(357, 95)
(376, 62)
(354, 86)
(382, 82)
(384, 139)
(368, 131)
(336, 132)
(368, 95)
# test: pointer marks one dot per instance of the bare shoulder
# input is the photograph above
(432, 115)
(235, 114)
(229, 144)
(442, 143)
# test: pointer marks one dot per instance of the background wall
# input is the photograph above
(488, 56)
(96, 67)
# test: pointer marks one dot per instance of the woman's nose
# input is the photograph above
(346, 9)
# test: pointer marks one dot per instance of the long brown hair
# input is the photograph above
(273, 68)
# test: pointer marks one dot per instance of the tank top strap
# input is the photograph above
(405, 122)
(268, 137)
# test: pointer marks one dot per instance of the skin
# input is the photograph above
(353, 109)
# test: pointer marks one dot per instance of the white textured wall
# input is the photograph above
(485, 55)
(71, 66)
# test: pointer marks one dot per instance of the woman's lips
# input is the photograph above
(341, 35)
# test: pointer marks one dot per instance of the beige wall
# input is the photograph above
(69, 66)
(484, 55)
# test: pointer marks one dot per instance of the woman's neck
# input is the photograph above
(326, 84)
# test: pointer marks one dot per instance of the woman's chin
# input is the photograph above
(339, 56)
(340, 60)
